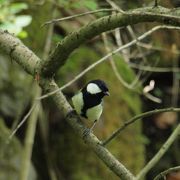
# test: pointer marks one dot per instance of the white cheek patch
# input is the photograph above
(93, 88)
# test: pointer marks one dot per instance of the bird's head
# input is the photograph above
(97, 87)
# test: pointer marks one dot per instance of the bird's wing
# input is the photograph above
(77, 100)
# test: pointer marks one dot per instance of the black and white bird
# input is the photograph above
(88, 101)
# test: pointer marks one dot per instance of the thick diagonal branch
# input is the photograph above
(61, 53)
(28, 64)
(91, 140)
(13, 47)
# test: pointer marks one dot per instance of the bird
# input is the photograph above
(88, 102)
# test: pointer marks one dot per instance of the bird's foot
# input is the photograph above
(87, 131)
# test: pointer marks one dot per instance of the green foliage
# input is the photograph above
(15, 8)
(89, 4)
(2, 1)
(23, 34)
(11, 20)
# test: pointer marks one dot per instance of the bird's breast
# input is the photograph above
(94, 113)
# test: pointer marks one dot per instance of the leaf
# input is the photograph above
(89, 4)
(22, 34)
(16, 25)
(23, 20)
(17, 7)
(10, 28)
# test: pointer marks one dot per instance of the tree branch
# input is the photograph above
(28, 60)
(22, 122)
(74, 40)
(77, 15)
(166, 172)
(91, 140)
(13, 47)
(131, 43)
(135, 118)
(61, 102)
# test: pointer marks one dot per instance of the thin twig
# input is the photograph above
(154, 69)
(78, 15)
(125, 84)
(166, 172)
(152, 98)
(48, 42)
(113, 65)
(22, 122)
(64, 48)
(159, 154)
(129, 86)
(151, 47)
(20, 111)
(117, 32)
(125, 52)
(119, 42)
(137, 117)
(107, 56)
(113, 5)
(175, 90)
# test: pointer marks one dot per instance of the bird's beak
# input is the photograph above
(107, 93)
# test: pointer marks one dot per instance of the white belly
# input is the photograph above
(94, 113)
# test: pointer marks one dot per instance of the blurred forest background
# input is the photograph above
(57, 152)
